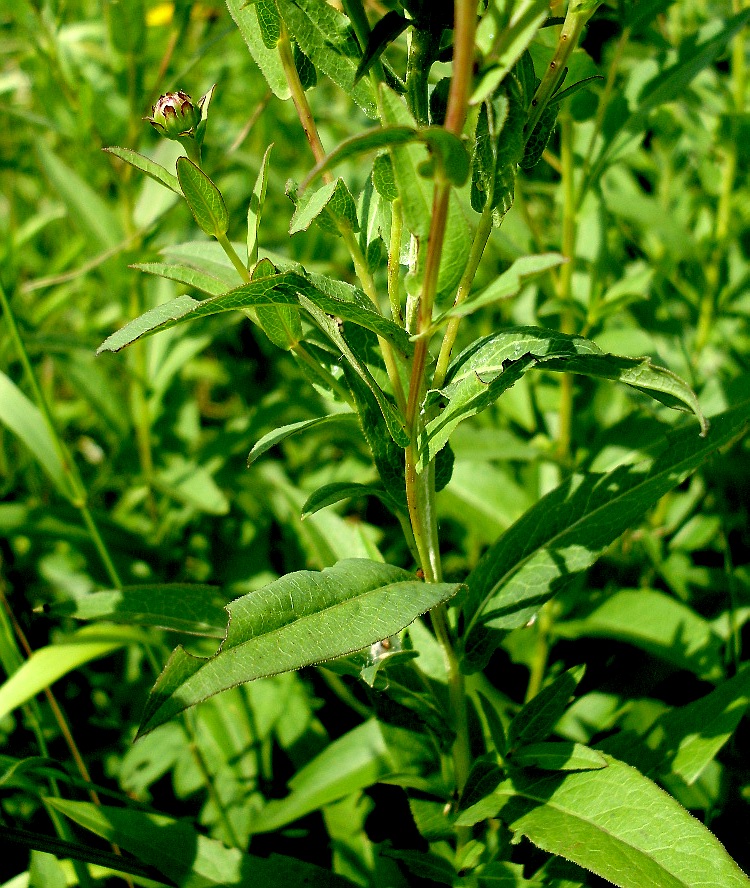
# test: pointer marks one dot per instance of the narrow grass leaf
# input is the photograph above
(45, 666)
(25, 420)
(85, 206)
(303, 618)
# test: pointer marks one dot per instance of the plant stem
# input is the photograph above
(394, 261)
(567, 321)
(568, 40)
(481, 236)
(226, 245)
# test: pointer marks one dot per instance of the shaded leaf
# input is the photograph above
(559, 756)
(330, 494)
(271, 439)
(176, 607)
(539, 716)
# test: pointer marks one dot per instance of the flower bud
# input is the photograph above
(175, 116)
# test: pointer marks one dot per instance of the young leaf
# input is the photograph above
(255, 208)
(569, 528)
(384, 32)
(246, 18)
(614, 822)
(330, 494)
(176, 607)
(188, 858)
(203, 197)
(303, 618)
(281, 434)
(539, 716)
(490, 366)
(155, 170)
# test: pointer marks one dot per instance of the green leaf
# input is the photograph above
(48, 664)
(508, 284)
(176, 607)
(188, 858)
(614, 822)
(356, 760)
(268, 60)
(255, 207)
(686, 739)
(569, 528)
(155, 170)
(656, 623)
(25, 420)
(330, 494)
(490, 366)
(391, 415)
(559, 756)
(281, 323)
(540, 715)
(184, 274)
(327, 39)
(303, 618)
(330, 205)
(448, 147)
(269, 22)
(667, 86)
(203, 197)
(384, 32)
(281, 434)
(513, 38)
(85, 206)
(284, 289)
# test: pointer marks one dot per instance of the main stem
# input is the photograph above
(420, 486)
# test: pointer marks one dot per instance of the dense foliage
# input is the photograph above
(371, 435)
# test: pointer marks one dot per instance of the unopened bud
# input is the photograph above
(175, 116)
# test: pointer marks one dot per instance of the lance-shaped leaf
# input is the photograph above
(255, 209)
(285, 288)
(184, 274)
(449, 148)
(539, 716)
(327, 39)
(246, 17)
(329, 206)
(176, 607)
(569, 528)
(614, 822)
(330, 327)
(203, 197)
(155, 170)
(330, 494)
(281, 434)
(488, 367)
(303, 618)
(508, 284)
(384, 32)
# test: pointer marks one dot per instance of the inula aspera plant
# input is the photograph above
(462, 258)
